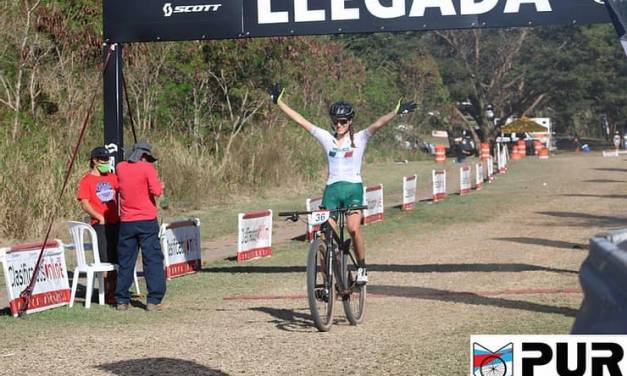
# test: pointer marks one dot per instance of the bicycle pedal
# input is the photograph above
(322, 294)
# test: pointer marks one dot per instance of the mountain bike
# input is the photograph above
(331, 269)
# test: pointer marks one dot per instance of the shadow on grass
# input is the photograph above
(611, 169)
(288, 319)
(604, 181)
(427, 268)
(544, 242)
(466, 298)
(596, 196)
(159, 366)
(587, 219)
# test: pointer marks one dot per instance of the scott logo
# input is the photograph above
(168, 10)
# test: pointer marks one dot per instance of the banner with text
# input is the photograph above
(465, 182)
(373, 197)
(180, 243)
(439, 184)
(52, 288)
(478, 176)
(409, 192)
(254, 234)
(162, 20)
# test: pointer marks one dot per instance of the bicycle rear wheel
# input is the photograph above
(355, 301)
(321, 298)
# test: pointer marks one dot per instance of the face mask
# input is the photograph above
(103, 167)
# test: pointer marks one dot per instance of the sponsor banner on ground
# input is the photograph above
(540, 355)
(180, 243)
(478, 176)
(409, 192)
(373, 197)
(439, 184)
(254, 234)
(490, 163)
(52, 288)
(465, 183)
(312, 204)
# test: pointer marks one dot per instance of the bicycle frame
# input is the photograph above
(335, 238)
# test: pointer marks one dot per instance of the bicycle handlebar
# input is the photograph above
(341, 210)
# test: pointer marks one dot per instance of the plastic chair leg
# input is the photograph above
(101, 289)
(74, 286)
(136, 281)
(90, 288)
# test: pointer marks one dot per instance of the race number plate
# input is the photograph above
(318, 217)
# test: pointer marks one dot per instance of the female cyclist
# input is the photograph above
(344, 150)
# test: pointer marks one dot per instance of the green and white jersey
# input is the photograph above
(344, 162)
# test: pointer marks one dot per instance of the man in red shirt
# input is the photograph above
(139, 186)
(97, 193)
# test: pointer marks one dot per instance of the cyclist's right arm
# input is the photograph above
(298, 118)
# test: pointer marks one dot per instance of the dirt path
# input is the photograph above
(513, 273)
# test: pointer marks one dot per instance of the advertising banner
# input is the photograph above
(409, 192)
(180, 243)
(374, 199)
(254, 234)
(490, 163)
(478, 176)
(52, 288)
(163, 20)
(439, 184)
(312, 204)
(465, 183)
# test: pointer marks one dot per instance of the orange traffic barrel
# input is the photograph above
(537, 146)
(485, 152)
(543, 153)
(522, 149)
(440, 154)
(515, 153)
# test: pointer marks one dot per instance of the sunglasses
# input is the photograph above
(342, 121)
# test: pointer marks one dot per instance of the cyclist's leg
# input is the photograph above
(353, 225)
(331, 200)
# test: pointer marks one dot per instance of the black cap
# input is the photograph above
(100, 152)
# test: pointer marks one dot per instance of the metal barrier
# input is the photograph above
(603, 278)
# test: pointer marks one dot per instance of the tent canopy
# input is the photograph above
(523, 125)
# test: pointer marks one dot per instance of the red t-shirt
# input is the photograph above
(101, 193)
(139, 185)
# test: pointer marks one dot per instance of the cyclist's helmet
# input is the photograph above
(341, 110)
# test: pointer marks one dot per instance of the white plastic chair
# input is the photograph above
(77, 231)
(97, 268)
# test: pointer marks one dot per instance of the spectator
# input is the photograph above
(97, 192)
(139, 186)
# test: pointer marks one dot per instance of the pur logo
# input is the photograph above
(168, 9)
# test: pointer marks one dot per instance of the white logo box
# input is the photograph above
(544, 355)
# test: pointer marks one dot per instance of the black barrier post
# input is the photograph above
(113, 100)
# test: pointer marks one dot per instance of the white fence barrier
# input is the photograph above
(373, 197)
(490, 163)
(180, 243)
(254, 234)
(52, 288)
(465, 184)
(478, 176)
(409, 192)
(439, 184)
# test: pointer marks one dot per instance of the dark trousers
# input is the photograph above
(146, 235)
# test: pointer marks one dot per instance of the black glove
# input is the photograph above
(276, 92)
(405, 107)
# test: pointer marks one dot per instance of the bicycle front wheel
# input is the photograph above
(320, 286)
(354, 300)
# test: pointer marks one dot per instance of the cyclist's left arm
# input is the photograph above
(401, 109)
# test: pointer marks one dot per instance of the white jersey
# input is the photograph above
(344, 161)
